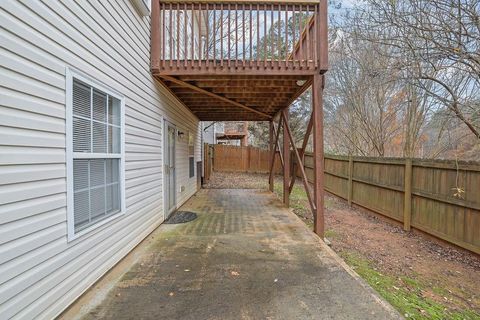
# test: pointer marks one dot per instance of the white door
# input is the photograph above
(169, 168)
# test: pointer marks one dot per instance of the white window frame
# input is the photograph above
(70, 75)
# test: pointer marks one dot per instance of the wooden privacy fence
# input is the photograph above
(242, 159)
(207, 161)
(441, 198)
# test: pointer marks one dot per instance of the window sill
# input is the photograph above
(83, 232)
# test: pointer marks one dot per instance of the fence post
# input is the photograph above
(350, 180)
(407, 206)
(205, 161)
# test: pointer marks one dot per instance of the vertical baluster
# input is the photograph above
(236, 34)
(265, 35)
(221, 35)
(185, 42)
(272, 47)
(294, 36)
(178, 35)
(243, 36)
(214, 35)
(170, 34)
(250, 40)
(279, 44)
(308, 36)
(207, 43)
(192, 29)
(300, 40)
(258, 34)
(200, 57)
(229, 34)
(286, 36)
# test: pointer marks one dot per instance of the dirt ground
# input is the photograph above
(422, 277)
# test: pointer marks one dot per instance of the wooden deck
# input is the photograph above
(238, 61)
(248, 61)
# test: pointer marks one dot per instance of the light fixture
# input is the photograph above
(180, 134)
(300, 83)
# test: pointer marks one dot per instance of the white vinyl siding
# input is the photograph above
(41, 272)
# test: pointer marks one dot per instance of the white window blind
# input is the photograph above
(96, 153)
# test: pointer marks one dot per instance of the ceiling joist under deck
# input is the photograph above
(235, 97)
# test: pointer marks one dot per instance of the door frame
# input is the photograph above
(167, 124)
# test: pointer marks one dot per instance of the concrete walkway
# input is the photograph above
(244, 257)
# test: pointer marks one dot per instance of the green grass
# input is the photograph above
(404, 293)
(330, 234)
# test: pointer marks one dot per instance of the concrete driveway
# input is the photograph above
(244, 257)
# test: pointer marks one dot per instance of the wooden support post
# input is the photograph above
(317, 96)
(350, 180)
(155, 37)
(286, 161)
(272, 158)
(323, 34)
(407, 206)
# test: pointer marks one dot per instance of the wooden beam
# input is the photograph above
(234, 83)
(268, 68)
(246, 89)
(298, 93)
(171, 92)
(242, 95)
(318, 162)
(208, 93)
(251, 1)
(194, 77)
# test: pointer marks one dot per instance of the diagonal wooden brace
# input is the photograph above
(302, 151)
(276, 132)
(301, 166)
(272, 160)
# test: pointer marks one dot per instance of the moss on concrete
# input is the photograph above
(404, 293)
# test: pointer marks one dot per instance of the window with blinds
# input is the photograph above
(96, 153)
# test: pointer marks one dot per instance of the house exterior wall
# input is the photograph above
(208, 132)
(41, 272)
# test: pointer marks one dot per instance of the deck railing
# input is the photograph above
(236, 128)
(238, 35)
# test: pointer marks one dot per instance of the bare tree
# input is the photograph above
(437, 44)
